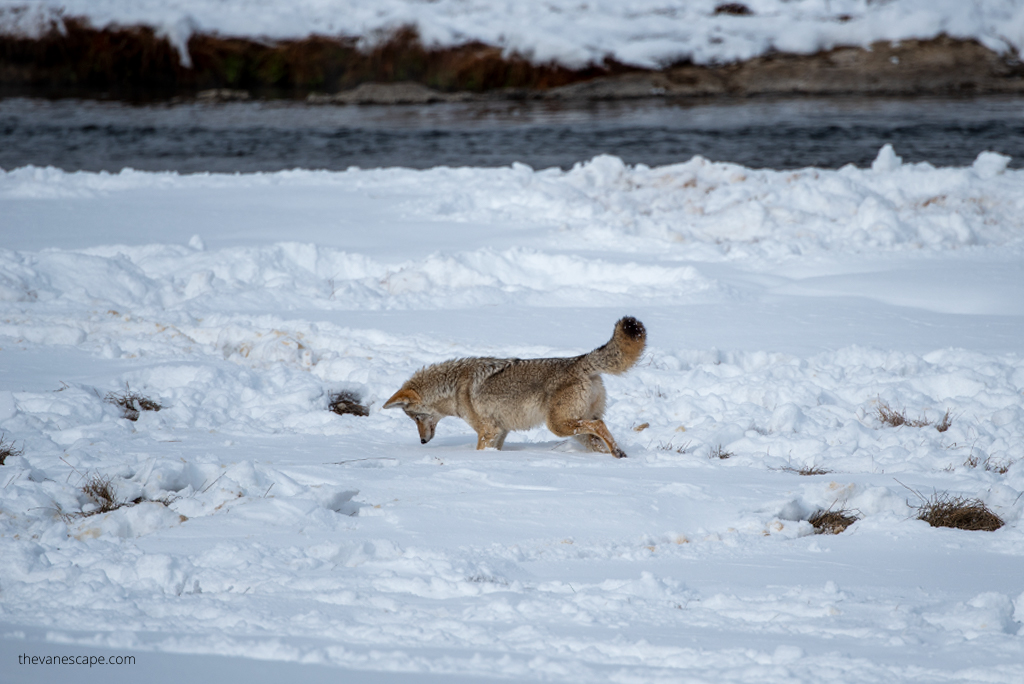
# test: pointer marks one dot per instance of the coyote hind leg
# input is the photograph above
(594, 428)
(591, 442)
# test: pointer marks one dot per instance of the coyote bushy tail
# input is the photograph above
(621, 352)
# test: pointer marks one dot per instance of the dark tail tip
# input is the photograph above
(632, 328)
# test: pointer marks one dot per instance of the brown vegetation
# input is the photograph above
(896, 418)
(945, 510)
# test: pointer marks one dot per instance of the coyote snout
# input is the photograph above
(496, 396)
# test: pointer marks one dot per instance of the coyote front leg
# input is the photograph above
(490, 438)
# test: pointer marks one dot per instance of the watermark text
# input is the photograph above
(89, 660)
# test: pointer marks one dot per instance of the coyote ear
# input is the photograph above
(403, 397)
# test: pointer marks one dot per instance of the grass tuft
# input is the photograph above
(347, 402)
(806, 471)
(131, 403)
(832, 522)
(895, 418)
(8, 449)
(945, 510)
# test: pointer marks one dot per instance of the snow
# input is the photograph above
(274, 539)
(645, 33)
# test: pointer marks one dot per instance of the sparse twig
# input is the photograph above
(203, 491)
(669, 446)
(720, 453)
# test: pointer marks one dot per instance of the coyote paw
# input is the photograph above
(619, 453)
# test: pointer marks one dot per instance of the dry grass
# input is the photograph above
(719, 452)
(832, 522)
(1000, 467)
(131, 403)
(100, 491)
(946, 510)
(345, 402)
(896, 418)
(8, 449)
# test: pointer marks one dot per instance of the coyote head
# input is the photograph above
(426, 418)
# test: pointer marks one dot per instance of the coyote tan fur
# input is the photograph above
(498, 395)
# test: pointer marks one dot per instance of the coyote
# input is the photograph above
(498, 395)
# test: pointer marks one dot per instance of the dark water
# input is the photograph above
(269, 136)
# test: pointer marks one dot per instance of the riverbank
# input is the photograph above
(76, 59)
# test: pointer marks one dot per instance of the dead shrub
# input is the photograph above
(832, 522)
(946, 510)
(131, 403)
(8, 449)
(347, 402)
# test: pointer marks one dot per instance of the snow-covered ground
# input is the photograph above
(646, 33)
(783, 309)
